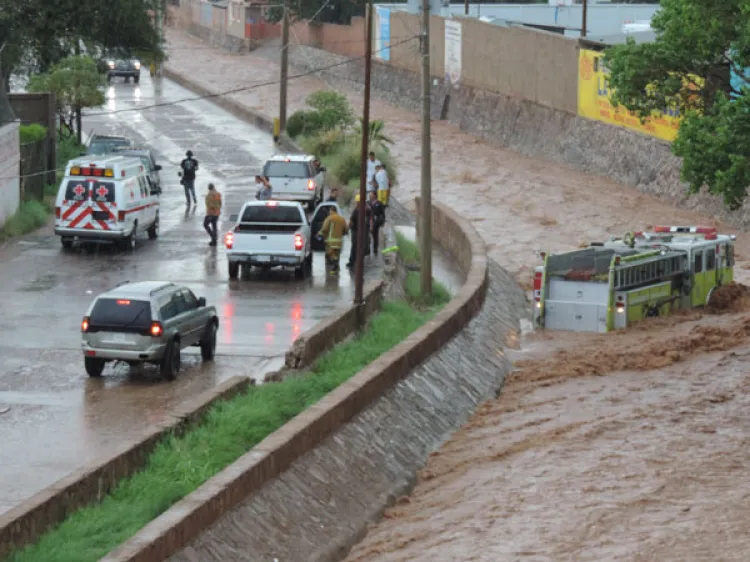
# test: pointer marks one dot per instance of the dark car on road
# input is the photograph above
(124, 68)
(105, 144)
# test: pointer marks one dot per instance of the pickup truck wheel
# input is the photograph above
(208, 342)
(170, 363)
(309, 265)
(234, 270)
(94, 367)
(67, 243)
(312, 204)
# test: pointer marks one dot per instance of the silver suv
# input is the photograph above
(147, 322)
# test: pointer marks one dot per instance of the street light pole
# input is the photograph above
(284, 67)
(362, 230)
(425, 237)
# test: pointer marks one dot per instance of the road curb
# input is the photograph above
(28, 521)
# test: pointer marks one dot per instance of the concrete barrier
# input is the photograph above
(334, 329)
(28, 521)
(170, 532)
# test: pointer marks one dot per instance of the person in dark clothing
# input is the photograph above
(333, 195)
(353, 225)
(377, 213)
(189, 166)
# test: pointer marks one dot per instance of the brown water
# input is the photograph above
(591, 453)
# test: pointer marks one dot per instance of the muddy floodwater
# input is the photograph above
(628, 446)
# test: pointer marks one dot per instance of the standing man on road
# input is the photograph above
(213, 210)
(353, 226)
(378, 220)
(189, 166)
(333, 230)
(372, 163)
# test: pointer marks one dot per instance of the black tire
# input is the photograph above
(234, 270)
(94, 366)
(208, 342)
(311, 205)
(299, 272)
(67, 243)
(153, 230)
(170, 363)
(109, 79)
(131, 240)
(137, 79)
(309, 265)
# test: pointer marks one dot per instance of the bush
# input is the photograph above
(32, 133)
(303, 123)
(67, 149)
(323, 144)
(29, 216)
(333, 108)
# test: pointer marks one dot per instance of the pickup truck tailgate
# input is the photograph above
(265, 239)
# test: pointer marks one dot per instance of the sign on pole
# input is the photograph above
(383, 34)
(452, 52)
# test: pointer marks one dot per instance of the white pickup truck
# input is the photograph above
(270, 234)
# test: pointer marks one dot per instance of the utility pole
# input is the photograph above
(583, 23)
(426, 188)
(284, 67)
(362, 230)
(466, 7)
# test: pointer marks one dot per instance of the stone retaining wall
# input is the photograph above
(325, 422)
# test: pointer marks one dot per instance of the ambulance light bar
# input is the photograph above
(92, 170)
(686, 229)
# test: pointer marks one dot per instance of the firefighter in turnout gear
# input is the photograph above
(333, 231)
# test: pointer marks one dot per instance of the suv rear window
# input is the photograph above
(265, 213)
(121, 313)
(105, 146)
(287, 170)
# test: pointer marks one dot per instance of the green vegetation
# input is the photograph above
(40, 33)
(179, 465)
(689, 68)
(330, 132)
(76, 83)
(34, 214)
(29, 216)
(32, 133)
(409, 252)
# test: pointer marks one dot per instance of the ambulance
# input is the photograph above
(106, 199)
(609, 285)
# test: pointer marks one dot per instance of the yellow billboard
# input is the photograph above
(594, 102)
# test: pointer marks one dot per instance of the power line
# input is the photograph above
(209, 96)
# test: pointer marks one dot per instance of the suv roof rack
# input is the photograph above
(121, 283)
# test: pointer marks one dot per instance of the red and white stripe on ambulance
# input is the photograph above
(89, 203)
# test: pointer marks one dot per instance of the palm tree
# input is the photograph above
(376, 135)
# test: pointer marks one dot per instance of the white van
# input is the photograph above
(106, 199)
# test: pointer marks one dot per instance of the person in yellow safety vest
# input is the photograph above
(333, 230)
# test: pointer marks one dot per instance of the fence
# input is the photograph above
(34, 157)
(9, 171)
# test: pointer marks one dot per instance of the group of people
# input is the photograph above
(334, 228)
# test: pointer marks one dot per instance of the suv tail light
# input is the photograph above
(311, 185)
(57, 212)
(156, 329)
(85, 324)
(229, 240)
(120, 216)
(298, 242)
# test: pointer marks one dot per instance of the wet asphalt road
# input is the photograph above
(53, 418)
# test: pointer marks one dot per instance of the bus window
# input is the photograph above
(698, 262)
(710, 260)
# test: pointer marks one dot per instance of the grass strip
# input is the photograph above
(179, 465)
(409, 252)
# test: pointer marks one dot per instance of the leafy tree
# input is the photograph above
(688, 68)
(323, 11)
(330, 110)
(45, 32)
(76, 84)
(377, 139)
